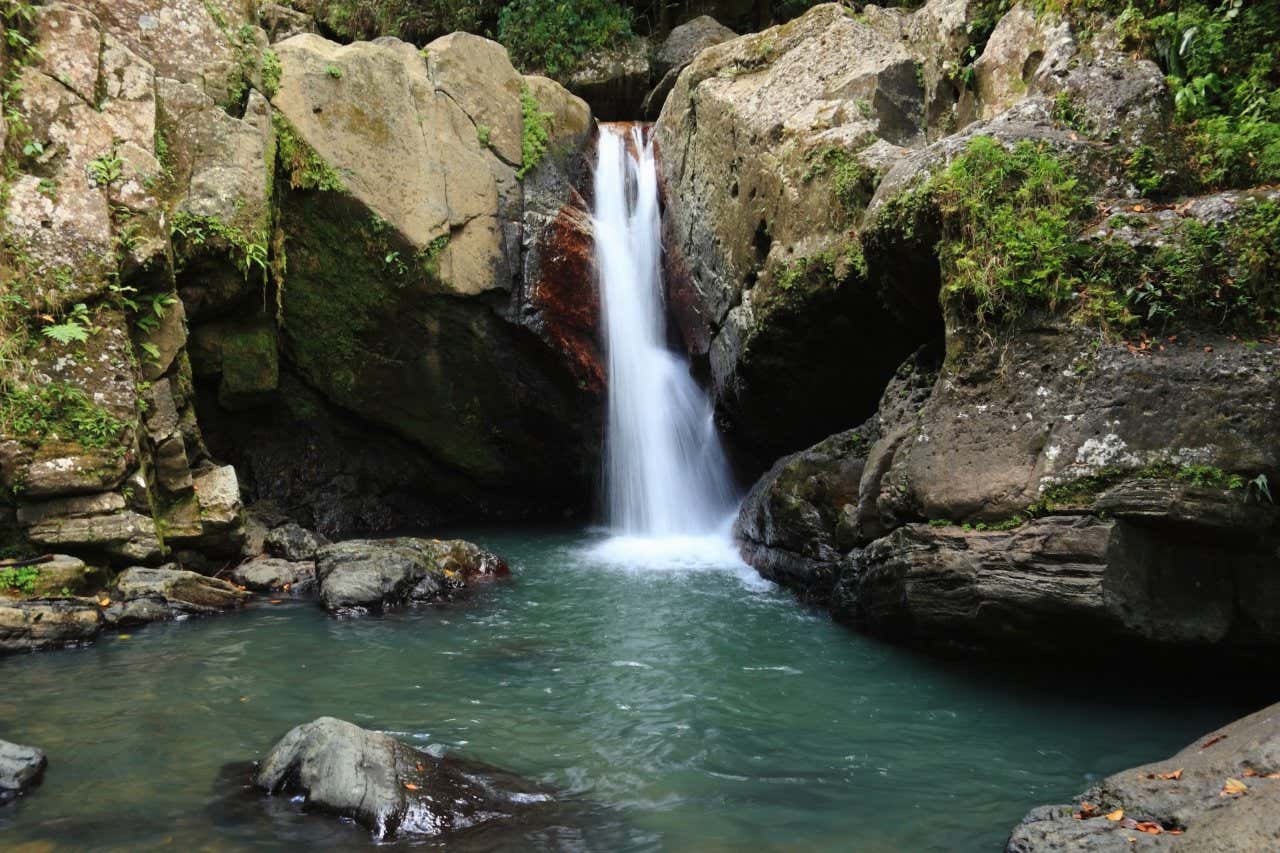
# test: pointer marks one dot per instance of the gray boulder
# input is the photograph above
(21, 767)
(674, 55)
(1220, 793)
(269, 574)
(292, 541)
(614, 81)
(392, 790)
(152, 595)
(365, 575)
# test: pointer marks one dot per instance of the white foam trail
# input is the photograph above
(666, 478)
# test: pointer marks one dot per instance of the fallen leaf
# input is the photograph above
(1233, 787)
(125, 636)
(1249, 771)
(1208, 349)
(1088, 810)
(410, 786)
(285, 587)
(1175, 831)
(1137, 208)
(1149, 827)
(277, 601)
(420, 768)
(1116, 815)
(1176, 774)
(1211, 741)
(1272, 776)
(104, 602)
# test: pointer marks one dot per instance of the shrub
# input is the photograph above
(553, 35)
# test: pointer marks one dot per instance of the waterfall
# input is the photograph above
(665, 470)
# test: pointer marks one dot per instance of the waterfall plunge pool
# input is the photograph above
(682, 709)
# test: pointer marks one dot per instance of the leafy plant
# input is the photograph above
(333, 71)
(106, 169)
(270, 70)
(74, 328)
(32, 413)
(483, 134)
(553, 36)
(535, 132)
(21, 579)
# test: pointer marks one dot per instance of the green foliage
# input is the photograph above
(852, 182)
(483, 134)
(1010, 220)
(249, 249)
(106, 168)
(333, 71)
(270, 70)
(1069, 113)
(553, 36)
(22, 579)
(416, 21)
(827, 269)
(535, 132)
(306, 169)
(33, 413)
(74, 328)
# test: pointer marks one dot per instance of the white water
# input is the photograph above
(669, 494)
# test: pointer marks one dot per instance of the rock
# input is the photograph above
(359, 576)
(388, 788)
(294, 542)
(122, 535)
(21, 768)
(682, 44)
(614, 81)
(767, 178)
(150, 595)
(221, 511)
(795, 523)
(281, 21)
(64, 576)
(250, 370)
(27, 626)
(269, 574)
(1192, 802)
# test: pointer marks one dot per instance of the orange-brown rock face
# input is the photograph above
(566, 294)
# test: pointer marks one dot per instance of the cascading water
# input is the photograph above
(665, 470)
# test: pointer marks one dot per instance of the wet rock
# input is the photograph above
(392, 790)
(1183, 793)
(614, 81)
(365, 575)
(21, 768)
(294, 542)
(27, 626)
(221, 512)
(142, 595)
(270, 574)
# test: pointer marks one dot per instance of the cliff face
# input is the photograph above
(361, 274)
(1086, 431)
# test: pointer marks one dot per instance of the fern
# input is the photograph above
(68, 332)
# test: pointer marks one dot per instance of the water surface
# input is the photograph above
(678, 709)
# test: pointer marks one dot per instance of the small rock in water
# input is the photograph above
(269, 574)
(21, 767)
(392, 790)
(365, 575)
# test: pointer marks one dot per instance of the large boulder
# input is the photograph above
(1220, 793)
(679, 48)
(772, 145)
(21, 768)
(391, 789)
(364, 575)
(142, 595)
(28, 626)
(614, 80)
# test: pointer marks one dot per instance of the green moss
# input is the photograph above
(852, 182)
(248, 246)
(34, 414)
(535, 133)
(1080, 494)
(306, 169)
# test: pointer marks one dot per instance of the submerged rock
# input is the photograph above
(270, 574)
(391, 789)
(372, 574)
(1220, 793)
(21, 768)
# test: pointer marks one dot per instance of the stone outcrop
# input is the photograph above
(614, 81)
(21, 768)
(677, 50)
(392, 790)
(767, 178)
(1220, 793)
(142, 595)
(360, 576)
